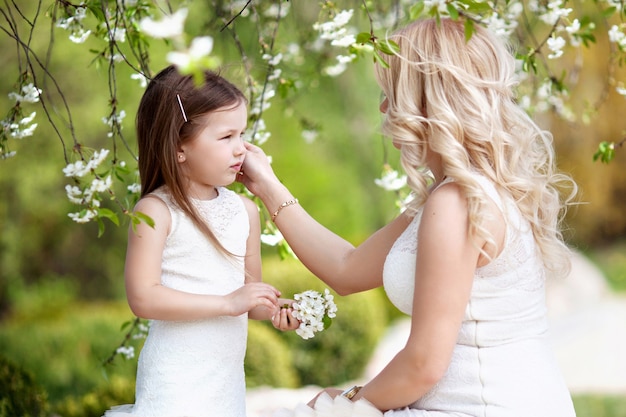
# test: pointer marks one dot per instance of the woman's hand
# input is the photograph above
(256, 172)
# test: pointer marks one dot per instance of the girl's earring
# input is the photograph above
(181, 157)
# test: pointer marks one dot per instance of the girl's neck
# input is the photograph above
(203, 193)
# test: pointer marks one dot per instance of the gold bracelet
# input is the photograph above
(351, 392)
(282, 206)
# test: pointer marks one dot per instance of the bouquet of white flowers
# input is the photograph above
(315, 312)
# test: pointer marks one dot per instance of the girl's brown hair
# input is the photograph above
(162, 129)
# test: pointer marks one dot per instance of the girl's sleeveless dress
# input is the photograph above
(195, 368)
(502, 365)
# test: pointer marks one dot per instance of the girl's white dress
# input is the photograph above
(502, 365)
(195, 368)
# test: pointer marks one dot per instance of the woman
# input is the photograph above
(469, 257)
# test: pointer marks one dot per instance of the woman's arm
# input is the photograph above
(149, 299)
(281, 318)
(445, 267)
(334, 260)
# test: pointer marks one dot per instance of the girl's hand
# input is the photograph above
(284, 319)
(253, 295)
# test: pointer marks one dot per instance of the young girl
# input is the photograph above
(468, 260)
(197, 273)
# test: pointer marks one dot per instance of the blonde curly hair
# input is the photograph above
(455, 98)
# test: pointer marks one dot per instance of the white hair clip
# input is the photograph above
(182, 109)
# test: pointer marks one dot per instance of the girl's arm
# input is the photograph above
(446, 262)
(334, 260)
(252, 261)
(149, 299)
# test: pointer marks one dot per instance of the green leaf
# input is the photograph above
(387, 46)
(469, 29)
(139, 216)
(478, 7)
(380, 60)
(327, 322)
(100, 227)
(416, 10)
(609, 11)
(605, 152)
(363, 37)
(452, 11)
(109, 214)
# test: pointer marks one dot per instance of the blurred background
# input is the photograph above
(62, 301)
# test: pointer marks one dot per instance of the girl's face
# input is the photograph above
(214, 157)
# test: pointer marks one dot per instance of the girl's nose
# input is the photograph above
(239, 147)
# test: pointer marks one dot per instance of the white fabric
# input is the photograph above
(195, 368)
(502, 365)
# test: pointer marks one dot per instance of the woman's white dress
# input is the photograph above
(195, 368)
(502, 365)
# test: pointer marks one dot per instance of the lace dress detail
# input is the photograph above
(195, 368)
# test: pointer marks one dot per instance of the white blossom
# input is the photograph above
(30, 94)
(344, 41)
(279, 10)
(273, 60)
(114, 119)
(554, 12)
(335, 70)
(80, 35)
(134, 188)
(616, 35)
(118, 34)
(28, 119)
(143, 81)
(128, 352)
(314, 310)
(80, 168)
(74, 194)
(23, 133)
(76, 169)
(83, 217)
(99, 185)
(309, 135)
(200, 47)
(556, 44)
(391, 180)
(272, 239)
(171, 26)
(334, 29)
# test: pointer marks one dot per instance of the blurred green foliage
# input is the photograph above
(20, 395)
(64, 341)
(269, 360)
(600, 405)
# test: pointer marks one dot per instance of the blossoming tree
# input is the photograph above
(545, 32)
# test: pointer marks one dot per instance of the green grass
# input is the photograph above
(600, 405)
